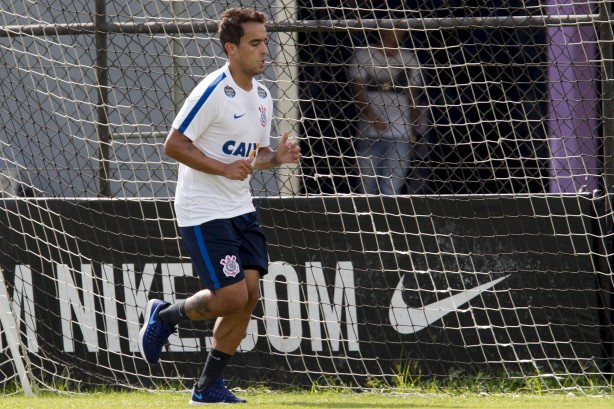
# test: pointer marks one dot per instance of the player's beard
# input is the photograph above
(253, 71)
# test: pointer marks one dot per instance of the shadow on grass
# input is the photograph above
(359, 405)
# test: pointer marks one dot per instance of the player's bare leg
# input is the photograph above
(228, 332)
(230, 329)
(207, 304)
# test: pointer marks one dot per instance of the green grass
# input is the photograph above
(308, 400)
(407, 389)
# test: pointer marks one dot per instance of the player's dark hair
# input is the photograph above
(230, 30)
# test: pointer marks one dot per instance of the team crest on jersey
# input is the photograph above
(262, 110)
(231, 267)
(230, 92)
(262, 92)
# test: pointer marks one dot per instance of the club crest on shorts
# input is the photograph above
(231, 267)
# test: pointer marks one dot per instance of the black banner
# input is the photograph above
(357, 288)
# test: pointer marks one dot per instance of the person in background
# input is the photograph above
(219, 137)
(385, 80)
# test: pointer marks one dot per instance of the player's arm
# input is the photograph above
(286, 152)
(182, 149)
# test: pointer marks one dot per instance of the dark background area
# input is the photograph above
(485, 100)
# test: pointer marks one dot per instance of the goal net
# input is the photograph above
(450, 223)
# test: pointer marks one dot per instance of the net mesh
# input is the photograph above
(449, 220)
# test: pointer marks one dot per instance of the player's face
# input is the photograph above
(252, 50)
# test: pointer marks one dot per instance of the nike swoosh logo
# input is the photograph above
(406, 320)
(238, 116)
(199, 396)
(152, 319)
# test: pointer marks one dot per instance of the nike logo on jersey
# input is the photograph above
(238, 116)
(408, 320)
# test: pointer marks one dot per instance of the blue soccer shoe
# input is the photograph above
(215, 393)
(154, 335)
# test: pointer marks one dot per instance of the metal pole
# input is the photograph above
(179, 69)
(11, 332)
(606, 44)
(102, 87)
(325, 26)
(286, 71)
(606, 39)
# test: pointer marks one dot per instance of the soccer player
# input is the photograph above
(220, 135)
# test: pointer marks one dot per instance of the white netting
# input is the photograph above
(489, 258)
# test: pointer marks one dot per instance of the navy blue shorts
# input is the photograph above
(222, 249)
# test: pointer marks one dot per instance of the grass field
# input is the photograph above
(298, 400)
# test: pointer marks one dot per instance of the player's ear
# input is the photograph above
(230, 47)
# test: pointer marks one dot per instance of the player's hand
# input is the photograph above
(288, 151)
(239, 170)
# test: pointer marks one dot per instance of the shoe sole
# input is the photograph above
(195, 403)
(150, 305)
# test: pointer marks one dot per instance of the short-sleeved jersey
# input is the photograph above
(226, 123)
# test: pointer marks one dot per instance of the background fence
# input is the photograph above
(492, 260)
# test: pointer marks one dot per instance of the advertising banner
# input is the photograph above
(357, 287)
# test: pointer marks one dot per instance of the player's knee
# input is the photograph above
(233, 298)
(237, 303)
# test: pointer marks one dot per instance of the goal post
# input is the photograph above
(13, 337)
(450, 221)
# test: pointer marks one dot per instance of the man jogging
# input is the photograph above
(220, 135)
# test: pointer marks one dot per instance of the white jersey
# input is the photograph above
(226, 123)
